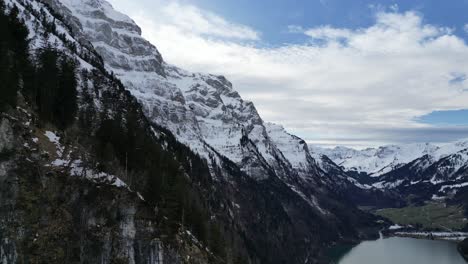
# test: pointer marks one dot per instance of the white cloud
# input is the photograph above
(188, 19)
(466, 28)
(357, 85)
(394, 7)
(295, 29)
(328, 33)
(191, 19)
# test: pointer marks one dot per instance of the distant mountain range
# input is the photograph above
(424, 171)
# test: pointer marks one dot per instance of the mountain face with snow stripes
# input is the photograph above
(203, 111)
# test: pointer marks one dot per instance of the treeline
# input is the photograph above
(45, 77)
(167, 173)
(50, 19)
(171, 180)
(14, 56)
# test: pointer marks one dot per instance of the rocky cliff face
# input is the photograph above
(56, 205)
(48, 215)
(203, 111)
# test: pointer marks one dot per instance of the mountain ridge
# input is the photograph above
(425, 172)
(380, 160)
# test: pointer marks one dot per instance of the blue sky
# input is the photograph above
(355, 73)
(443, 118)
(272, 17)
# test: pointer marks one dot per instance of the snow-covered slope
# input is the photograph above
(30, 150)
(294, 149)
(378, 161)
(307, 163)
(202, 110)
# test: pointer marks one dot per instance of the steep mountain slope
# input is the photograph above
(311, 163)
(61, 200)
(203, 111)
(133, 193)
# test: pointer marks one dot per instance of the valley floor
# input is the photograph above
(449, 236)
(434, 220)
(431, 216)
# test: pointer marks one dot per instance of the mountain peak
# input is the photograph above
(99, 9)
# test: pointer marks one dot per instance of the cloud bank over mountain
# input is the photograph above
(354, 87)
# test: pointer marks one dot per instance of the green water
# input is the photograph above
(398, 250)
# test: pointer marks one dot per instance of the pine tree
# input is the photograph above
(19, 34)
(8, 79)
(65, 105)
(47, 82)
(13, 55)
(216, 242)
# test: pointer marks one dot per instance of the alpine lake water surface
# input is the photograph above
(398, 250)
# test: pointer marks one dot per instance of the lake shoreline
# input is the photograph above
(399, 249)
(445, 236)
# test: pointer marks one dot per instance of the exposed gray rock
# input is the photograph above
(6, 135)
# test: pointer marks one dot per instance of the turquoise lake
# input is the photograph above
(397, 250)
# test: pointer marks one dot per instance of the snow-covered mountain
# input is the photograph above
(49, 186)
(202, 110)
(436, 176)
(378, 161)
(421, 171)
(305, 162)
